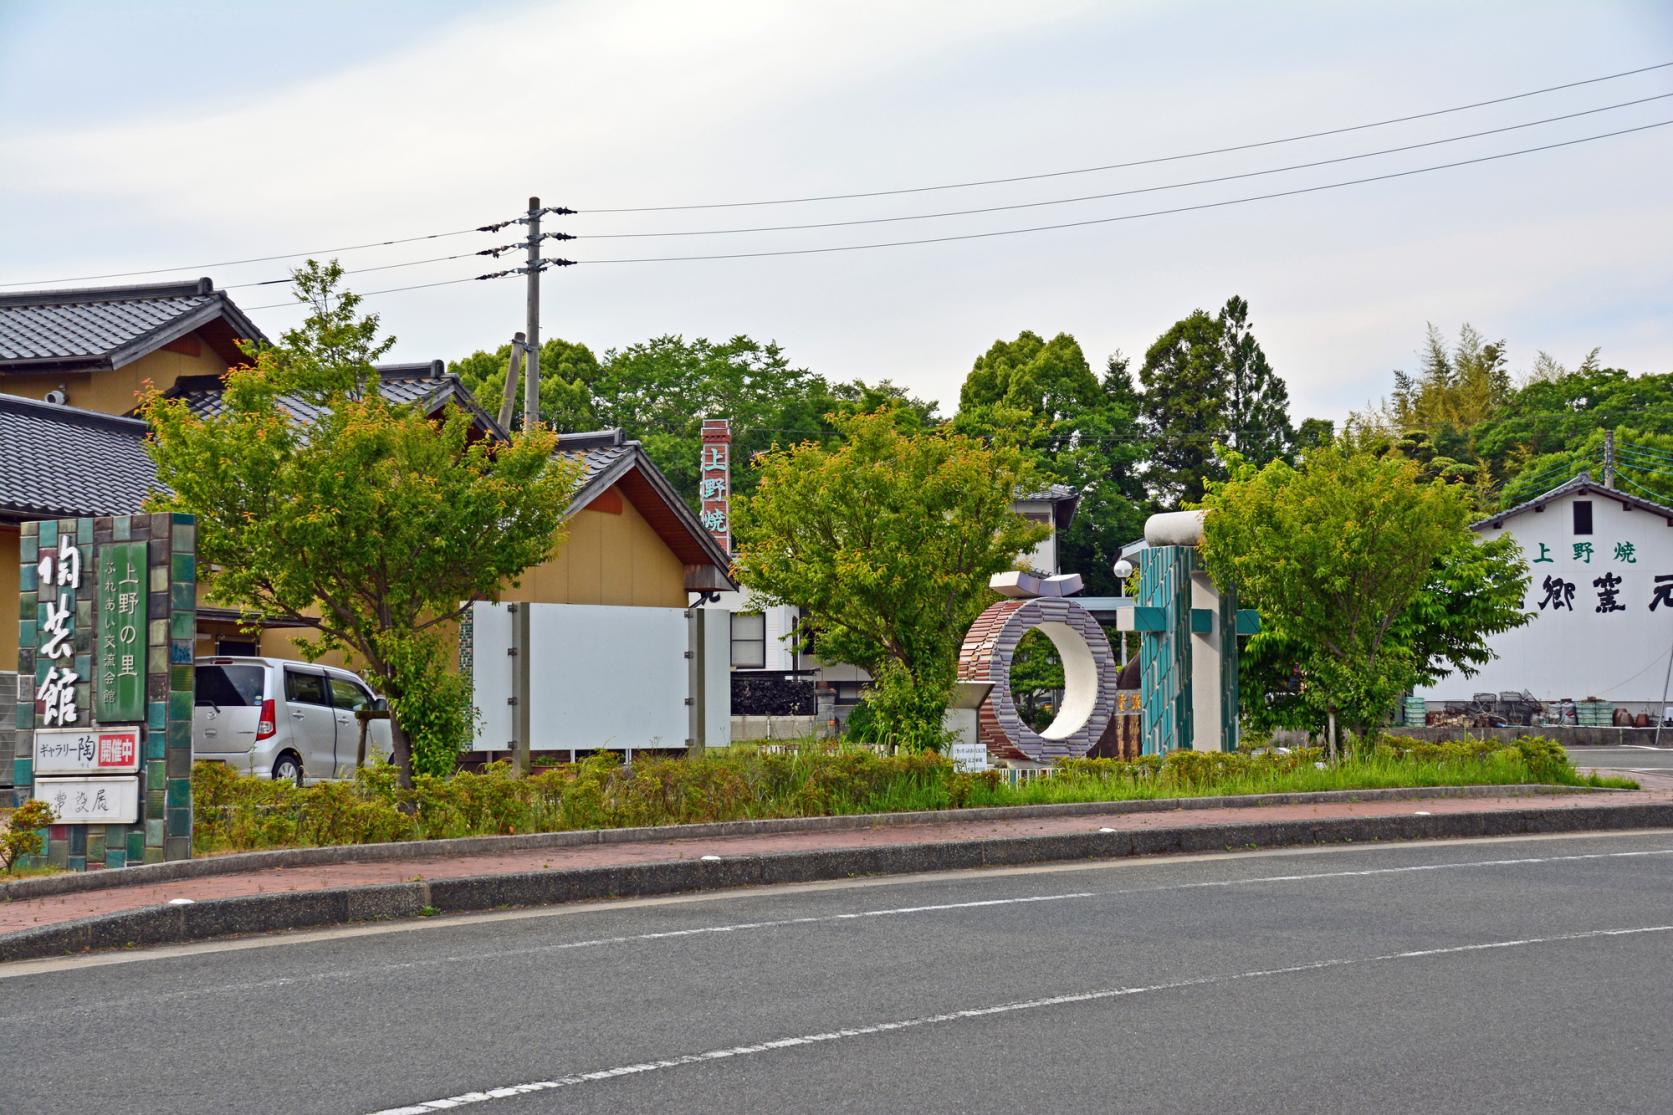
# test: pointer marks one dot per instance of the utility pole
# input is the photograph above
(531, 377)
(509, 402)
(1609, 458)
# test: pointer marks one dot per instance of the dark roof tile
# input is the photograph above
(57, 460)
(108, 326)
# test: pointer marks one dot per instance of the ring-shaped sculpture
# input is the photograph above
(1089, 675)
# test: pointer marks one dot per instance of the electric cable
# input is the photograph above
(252, 259)
(1128, 192)
(1636, 447)
(1134, 216)
(1652, 495)
(371, 293)
(1138, 162)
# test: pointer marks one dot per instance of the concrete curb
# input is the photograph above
(145, 874)
(266, 913)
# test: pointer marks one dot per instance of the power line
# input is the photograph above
(1136, 216)
(1646, 449)
(252, 259)
(1657, 497)
(1138, 162)
(1129, 192)
(388, 290)
(364, 270)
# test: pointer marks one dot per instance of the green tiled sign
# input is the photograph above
(119, 677)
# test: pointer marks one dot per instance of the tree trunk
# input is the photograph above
(401, 751)
(1330, 737)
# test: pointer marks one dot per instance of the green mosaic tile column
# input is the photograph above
(1165, 656)
(163, 830)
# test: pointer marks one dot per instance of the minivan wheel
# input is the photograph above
(288, 768)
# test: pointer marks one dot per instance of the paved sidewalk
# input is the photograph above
(33, 913)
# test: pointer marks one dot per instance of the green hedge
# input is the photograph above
(233, 812)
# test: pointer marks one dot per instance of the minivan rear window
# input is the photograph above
(220, 686)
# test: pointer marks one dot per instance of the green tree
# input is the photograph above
(373, 526)
(661, 390)
(886, 541)
(1036, 674)
(1183, 409)
(1333, 554)
(1314, 433)
(1078, 430)
(1257, 402)
(569, 373)
(1207, 382)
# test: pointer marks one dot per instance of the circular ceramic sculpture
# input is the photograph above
(1089, 674)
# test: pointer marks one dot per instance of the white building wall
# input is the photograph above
(780, 621)
(1575, 650)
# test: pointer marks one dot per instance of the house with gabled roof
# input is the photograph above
(74, 362)
(1601, 597)
(96, 348)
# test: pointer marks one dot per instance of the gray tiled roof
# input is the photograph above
(1581, 485)
(58, 460)
(400, 383)
(1056, 493)
(108, 326)
(598, 451)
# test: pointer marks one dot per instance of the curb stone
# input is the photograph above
(266, 913)
(237, 862)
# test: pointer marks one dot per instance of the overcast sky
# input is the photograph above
(164, 134)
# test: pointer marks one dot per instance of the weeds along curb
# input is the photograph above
(266, 913)
(232, 864)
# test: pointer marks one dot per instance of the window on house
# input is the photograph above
(749, 641)
(1582, 516)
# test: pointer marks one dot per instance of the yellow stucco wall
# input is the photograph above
(607, 559)
(8, 598)
(115, 391)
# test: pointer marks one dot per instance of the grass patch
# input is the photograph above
(232, 812)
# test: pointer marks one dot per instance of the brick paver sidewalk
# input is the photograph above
(32, 912)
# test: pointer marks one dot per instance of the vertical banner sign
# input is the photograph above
(119, 684)
(714, 480)
(107, 686)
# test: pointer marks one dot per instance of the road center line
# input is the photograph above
(470, 1098)
(816, 919)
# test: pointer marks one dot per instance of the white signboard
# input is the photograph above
(970, 756)
(87, 750)
(91, 801)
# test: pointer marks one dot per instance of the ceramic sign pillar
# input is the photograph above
(104, 712)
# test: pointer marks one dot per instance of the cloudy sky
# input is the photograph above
(173, 135)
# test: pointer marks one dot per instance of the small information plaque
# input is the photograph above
(972, 757)
(91, 801)
(87, 750)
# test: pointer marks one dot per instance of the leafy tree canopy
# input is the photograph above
(372, 526)
(1368, 581)
(660, 390)
(569, 373)
(1077, 428)
(1207, 382)
(886, 540)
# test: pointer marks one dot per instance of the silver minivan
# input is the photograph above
(281, 719)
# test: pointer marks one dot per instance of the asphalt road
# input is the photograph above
(1525, 975)
(1627, 758)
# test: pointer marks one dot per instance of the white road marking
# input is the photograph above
(105, 1005)
(290, 938)
(507, 1092)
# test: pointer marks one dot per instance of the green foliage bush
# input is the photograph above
(22, 835)
(233, 812)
